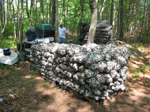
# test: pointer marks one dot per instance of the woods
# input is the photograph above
(111, 73)
(127, 17)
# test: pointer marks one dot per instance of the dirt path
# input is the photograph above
(33, 94)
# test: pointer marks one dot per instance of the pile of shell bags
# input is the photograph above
(94, 71)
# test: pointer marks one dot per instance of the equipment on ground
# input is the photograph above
(9, 59)
(6, 51)
(45, 31)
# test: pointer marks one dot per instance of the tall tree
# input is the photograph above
(21, 22)
(14, 19)
(93, 7)
(57, 23)
(121, 20)
(42, 13)
(53, 12)
(27, 11)
(50, 11)
(4, 22)
(112, 11)
(102, 9)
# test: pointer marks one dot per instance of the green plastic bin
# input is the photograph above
(22, 56)
(46, 27)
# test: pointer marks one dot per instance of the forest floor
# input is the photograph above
(24, 90)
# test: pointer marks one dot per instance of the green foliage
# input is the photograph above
(144, 68)
(137, 73)
(71, 15)
(9, 29)
(55, 88)
(7, 67)
(15, 79)
(138, 46)
(5, 91)
(8, 43)
(147, 98)
(1, 76)
(14, 72)
(32, 73)
(31, 81)
(148, 66)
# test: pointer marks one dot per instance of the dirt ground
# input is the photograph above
(24, 90)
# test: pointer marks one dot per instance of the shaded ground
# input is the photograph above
(33, 94)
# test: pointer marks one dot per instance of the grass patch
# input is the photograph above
(137, 73)
(110, 104)
(32, 73)
(144, 68)
(55, 88)
(14, 72)
(8, 67)
(138, 46)
(31, 81)
(147, 98)
(148, 66)
(1, 85)
(1, 77)
(15, 79)
(42, 83)
(5, 91)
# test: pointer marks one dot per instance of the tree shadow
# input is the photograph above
(33, 94)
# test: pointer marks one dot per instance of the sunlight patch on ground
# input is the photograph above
(39, 78)
(28, 77)
(137, 94)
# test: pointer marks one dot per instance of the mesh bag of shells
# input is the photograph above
(93, 71)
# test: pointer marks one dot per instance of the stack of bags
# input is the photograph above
(103, 33)
(94, 71)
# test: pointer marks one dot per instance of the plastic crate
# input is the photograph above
(46, 27)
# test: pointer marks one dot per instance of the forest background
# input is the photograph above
(129, 18)
(131, 23)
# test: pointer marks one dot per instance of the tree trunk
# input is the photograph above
(42, 14)
(4, 20)
(27, 11)
(81, 18)
(112, 11)
(1, 11)
(7, 10)
(36, 11)
(14, 19)
(31, 6)
(53, 13)
(18, 20)
(4, 15)
(50, 12)
(10, 10)
(57, 24)
(64, 12)
(67, 11)
(47, 14)
(121, 20)
(21, 22)
(102, 9)
(93, 7)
